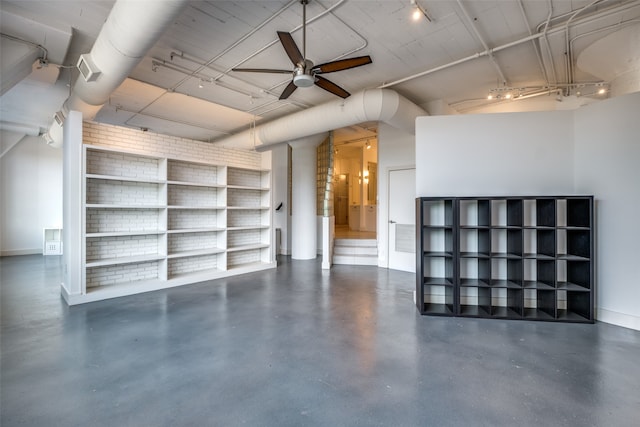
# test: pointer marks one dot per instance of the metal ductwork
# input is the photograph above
(383, 105)
(123, 42)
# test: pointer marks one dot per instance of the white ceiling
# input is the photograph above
(172, 91)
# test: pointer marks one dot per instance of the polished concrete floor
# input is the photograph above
(296, 346)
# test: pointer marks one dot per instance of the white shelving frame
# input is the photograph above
(153, 222)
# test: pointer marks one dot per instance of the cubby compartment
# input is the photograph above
(193, 173)
(199, 243)
(128, 166)
(111, 192)
(508, 257)
(192, 265)
(115, 221)
(195, 196)
(437, 300)
(130, 273)
(203, 219)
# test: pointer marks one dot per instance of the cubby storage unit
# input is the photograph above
(506, 257)
(153, 222)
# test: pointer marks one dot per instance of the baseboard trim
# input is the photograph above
(618, 319)
(19, 252)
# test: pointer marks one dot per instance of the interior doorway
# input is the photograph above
(356, 182)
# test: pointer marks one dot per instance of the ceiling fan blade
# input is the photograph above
(262, 70)
(288, 91)
(291, 48)
(342, 64)
(331, 87)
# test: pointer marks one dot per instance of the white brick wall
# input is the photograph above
(180, 242)
(122, 220)
(192, 172)
(236, 259)
(242, 218)
(98, 248)
(124, 165)
(181, 195)
(246, 178)
(241, 238)
(192, 264)
(244, 198)
(163, 145)
(181, 219)
(102, 191)
(117, 274)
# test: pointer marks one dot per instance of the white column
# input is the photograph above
(303, 194)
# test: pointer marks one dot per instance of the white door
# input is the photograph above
(402, 219)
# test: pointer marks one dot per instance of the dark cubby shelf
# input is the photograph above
(525, 258)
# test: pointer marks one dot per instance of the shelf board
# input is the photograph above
(247, 187)
(507, 227)
(195, 184)
(569, 286)
(569, 257)
(474, 255)
(541, 257)
(247, 247)
(539, 227)
(438, 227)
(571, 316)
(125, 178)
(437, 309)
(500, 283)
(573, 227)
(249, 267)
(438, 281)
(195, 230)
(248, 227)
(438, 254)
(474, 311)
(505, 312)
(248, 208)
(124, 260)
(195, 252)
(533, 284)
(118, 206)
(206, 208)
(125, 233)
(505, 255)
(475, 227)
(538, 314)
(474, 283)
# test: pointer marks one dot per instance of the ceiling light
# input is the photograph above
(490, 97)
(200, 85)
(602, 91)
(368, 144)
(508, 96)
(419, 11)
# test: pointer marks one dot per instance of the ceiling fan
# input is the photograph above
(305, 74)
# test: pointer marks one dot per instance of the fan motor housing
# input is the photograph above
(303, 80)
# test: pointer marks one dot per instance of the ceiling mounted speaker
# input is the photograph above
(87, 68)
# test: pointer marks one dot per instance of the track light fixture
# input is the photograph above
(419, 11)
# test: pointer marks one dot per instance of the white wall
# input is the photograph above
(608, 165)
(30, 194)
(495, 154)
(280, 183)
(592, 150)
(396, 149)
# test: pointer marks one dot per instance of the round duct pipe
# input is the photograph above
(383, 105)
(122, 43)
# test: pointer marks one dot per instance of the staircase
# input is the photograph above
(355, 251)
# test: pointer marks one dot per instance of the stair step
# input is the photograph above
(355, 260)
(356, 242)
(355, 250)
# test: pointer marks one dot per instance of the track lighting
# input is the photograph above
(419, 11)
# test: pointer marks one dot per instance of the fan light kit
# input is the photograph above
(305, 73)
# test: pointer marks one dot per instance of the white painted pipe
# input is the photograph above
(20, 128)
(382, 105)
(132, 28)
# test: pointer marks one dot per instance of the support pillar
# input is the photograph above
(304, 239)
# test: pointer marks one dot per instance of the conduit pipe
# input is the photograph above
(122, 43)
(383, 105)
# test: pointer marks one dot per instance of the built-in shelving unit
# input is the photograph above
(153, 222)
(506, 257)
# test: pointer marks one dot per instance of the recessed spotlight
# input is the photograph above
(602, 91)
(508, 96)
(489, 97)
